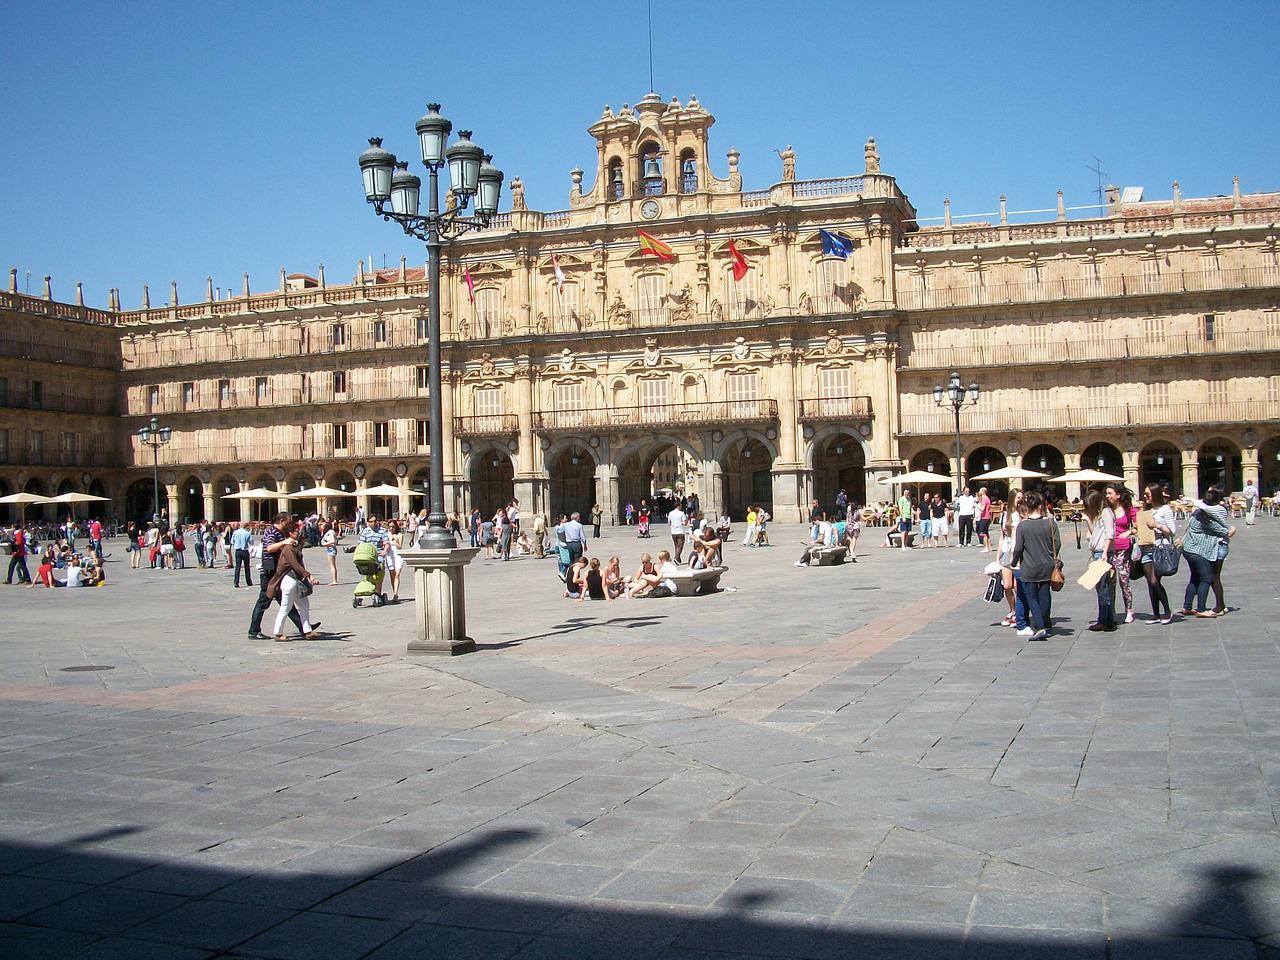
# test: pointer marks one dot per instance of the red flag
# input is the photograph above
(740, 265)
(471, 284)
(654, 246)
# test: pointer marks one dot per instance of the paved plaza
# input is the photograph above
(819, 763)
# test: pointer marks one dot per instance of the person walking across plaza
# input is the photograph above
(573, 536)
(1250, 495)
(241, 541)
(1165, 526)
(18, 557)
(1120, 503)
(1102, 533)
(596, 516)
(966, 508)
(984, 519)
(679, 530)
(1036, 545)
(274, 539)
(291, 584)
(906, 514)
(749, 538)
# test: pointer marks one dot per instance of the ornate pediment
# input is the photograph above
(652, 360)
(565, 368)
(497, 269)
(746, 246)
(567, 261)
(835, 347)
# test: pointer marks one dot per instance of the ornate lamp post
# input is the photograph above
(155, 437)
(395, 194)
(953, 396)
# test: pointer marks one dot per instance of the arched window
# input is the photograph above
(741, 295)
(652, 182)
(652, 289)
(488, 312)
(831, 293)
(617, 189)
(688, 172)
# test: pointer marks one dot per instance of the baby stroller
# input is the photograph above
(644, 525)
(369, 566)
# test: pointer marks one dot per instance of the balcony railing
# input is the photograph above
(492, 425)
(815, 409)
(1085, 416)
(272, 397)
(54, 402)
(16, 347)
(996, 294)
(657, 415)
(1066, 349)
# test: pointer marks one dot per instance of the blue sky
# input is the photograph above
(154, 141)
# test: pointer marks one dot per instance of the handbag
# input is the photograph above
(304, 588)
(1057, 580)
(1166, 557)
(995, 590)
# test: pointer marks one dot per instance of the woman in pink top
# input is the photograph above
(1120, 503)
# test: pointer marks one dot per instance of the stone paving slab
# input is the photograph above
(848, 761)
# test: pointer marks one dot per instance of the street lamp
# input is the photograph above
(953, 396)
(395, 194)
(155, 437)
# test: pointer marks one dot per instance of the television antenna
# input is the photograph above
(1098, 170)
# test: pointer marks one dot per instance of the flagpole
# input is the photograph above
(651, 90)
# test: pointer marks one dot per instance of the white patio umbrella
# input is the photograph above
(74, 497)
(23, 499)
(1087, 476)
(256, 493)
(319, 491)
(1011, 473)
(917, 478)
(384, 490)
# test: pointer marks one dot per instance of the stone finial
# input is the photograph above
(360, 271)
(146, 297)
(788, 164)
(13, 279)
(872, 156)
(1004, 209)
(694, 106)
(403, 275)
(320, 276)
(48, 287)
(734, 156)
(208, 289)
(173, 293)
(517, 194)
(1062, 207)
(1235, 192)
(946, 212)
(246, 285)
(284, 281)
(675, 104)
(1177, 195)
(79, 294)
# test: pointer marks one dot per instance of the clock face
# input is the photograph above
(649, 209)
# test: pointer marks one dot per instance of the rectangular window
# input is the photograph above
(566, 396)
(1273, 390)
(153, 399)
(4, 445)
(188, 396)
(424, 434)
(379, 331)
(4, 391)
(35, 446)
(382, 434)
(422, 327)
(339, 335)
(340, 436)
(744, 391)
(1217, 393)
(831, 280)
(1271, 324)
(70, 448)
(340, 382)
(37, 395)
(654, 397)
(1208, 328)
(1038, 399)
(260, 391)
(488, 407)
(835, 382)
(741, 294)
(424, 379)
(652, 301)
(224, 393)
(564, 305)
(488, 312)
(1037, 338)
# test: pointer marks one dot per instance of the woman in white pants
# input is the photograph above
(287, 586)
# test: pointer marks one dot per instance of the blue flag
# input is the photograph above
(835, 245)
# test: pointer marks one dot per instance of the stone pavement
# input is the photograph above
(827, 762)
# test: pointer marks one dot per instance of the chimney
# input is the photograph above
(208, 289)
(146, 297)
(173, 293)
(246, 286)
(79, 294)
(320, 276)
(48, 288)
(13, 279)
(946, 212)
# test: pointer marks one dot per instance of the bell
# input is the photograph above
(652, 171)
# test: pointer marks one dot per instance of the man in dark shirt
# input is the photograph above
(273, 541)
(19, 559)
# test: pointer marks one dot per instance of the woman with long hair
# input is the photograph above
(1165, 526)
(1009, 576)
(1035, 554)
(1120, 503)
(1208, 527)
(1102, 534)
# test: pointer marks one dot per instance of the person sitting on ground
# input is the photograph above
(573, 578)
(666, 576)
(614, 585)
(591, 582)
(75, 575)
(94, 575)
(646, 578)
(48, 563)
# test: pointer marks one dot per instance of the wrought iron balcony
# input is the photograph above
(657, 415)
(819, 409)
(491, 425)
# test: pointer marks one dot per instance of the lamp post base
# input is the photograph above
(441, 601)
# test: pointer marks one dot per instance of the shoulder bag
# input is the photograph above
(1057, 580)
(1166, 556)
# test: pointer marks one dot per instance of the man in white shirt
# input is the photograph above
(679, 530)
(966, 509)
(1250, 503)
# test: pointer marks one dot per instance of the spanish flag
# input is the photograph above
(654, 246)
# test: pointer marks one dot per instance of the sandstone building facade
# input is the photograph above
(1144, 342)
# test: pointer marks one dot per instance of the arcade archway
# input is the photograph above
(1161, 462)
(1221, 466)
(839, 463)
(573, 482)
(492, 481)
(747, 474)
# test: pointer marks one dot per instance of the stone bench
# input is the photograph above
(828, 556)
(690, 583)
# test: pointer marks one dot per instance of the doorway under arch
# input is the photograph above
(657, 473)
(7, 513)
(492, 481)
(984, 460)
(1269, 466)
(1221, 465)
(839, 463)
(224, 509)
(1161, 462)
(140, 499)
(747, 474)
(572, 475)
(190, 501)
(1049, 460)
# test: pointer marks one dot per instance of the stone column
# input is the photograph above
(362, 499)
(711, 497)
(246, 506)
(1131, 473)
(282, 501)
(1249, 466)
(1191, 473)
(210, 501)
(1075, 488)
(403, 484)
(441, 605)
(788, 470)
(527, 477)
(607, 492)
